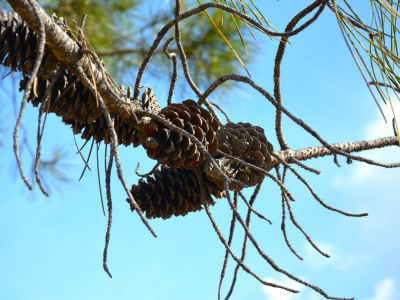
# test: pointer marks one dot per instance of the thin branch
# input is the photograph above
(299, 122)
(90, 153)
(313, 193)
(174, 78)
(45, 103)
(278, 61)
(230, 238)
(28, 88)
(349, 147)
(109, 205)
(251, 166)
(222, 111)
(244, 245)
(83, 158)
(227, 247)
(197, 10)
(98, 177)
(250, 207)
(147, 174)
(114, 149)
(283, 223)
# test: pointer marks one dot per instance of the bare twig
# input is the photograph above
(278, 61)
(244, 245)
(45, 103)
(83, 158)
(147, 174)
(283, 223)
(114, 149)
(28, 89)
(174, 78)
(197, 10)
(299, 122)
(98, 177)
(227, 247)
(109, 205)
(230, 238)
(221, 110)
(313, 193)
(250, 207)
(90, 153)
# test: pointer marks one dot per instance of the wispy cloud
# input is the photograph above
(338, 259)
(385, 290)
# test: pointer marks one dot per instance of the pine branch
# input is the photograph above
(349, 147)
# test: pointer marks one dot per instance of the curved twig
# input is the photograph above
(192, 12)
(278, 61)
(299, 122)
(109, 205)
(174, 78)
(28, 88)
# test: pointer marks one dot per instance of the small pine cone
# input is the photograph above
(174, 149)
(248, 143)
(172, 192)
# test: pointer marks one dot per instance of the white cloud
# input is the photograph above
(280, 294)
(385, 290)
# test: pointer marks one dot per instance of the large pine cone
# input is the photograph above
(172, 192)
(72, 100)
(248, 143)
(18, 48)
(174, 149)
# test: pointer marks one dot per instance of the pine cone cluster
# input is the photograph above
(174, 149)
(77, 106)
(172, 192)
(248, 143)
(174, 189)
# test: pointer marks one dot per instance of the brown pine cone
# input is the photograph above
(18, 45)
(174, 149)
(248, 143)
(172, 192)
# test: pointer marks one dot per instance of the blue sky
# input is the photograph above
(52, 247)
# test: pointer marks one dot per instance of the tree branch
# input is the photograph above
(314, 152)
(68, 52)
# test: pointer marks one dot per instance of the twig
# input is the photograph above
(250, 207)
(227, 247)
(109, 205)
(251, 166)
(174, 78)
(230, 238)
(147, 174)
(45, 105)
(98, 177)
(268, 259)
(222, 111)
(314, 194)
(90, 153)
(278, 61)
(244, 245)
(80, 153)
(305, 167)
(299, 122)
(283, 223)
(114, 149)
(28, 88)
(192, 12)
